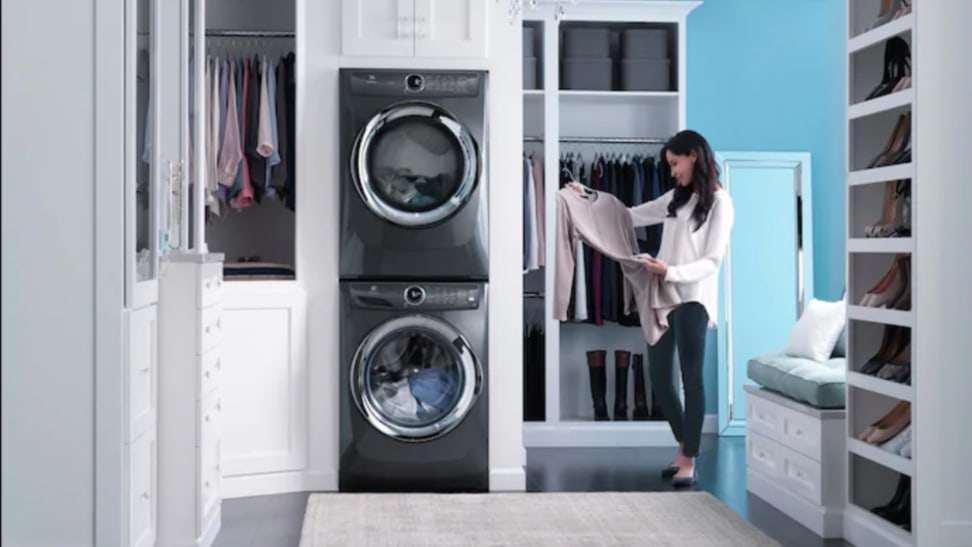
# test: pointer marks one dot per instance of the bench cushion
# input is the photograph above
(818, 384)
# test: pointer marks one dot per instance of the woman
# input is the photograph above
(697, 216)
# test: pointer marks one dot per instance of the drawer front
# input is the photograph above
(790, 469)
(143, 355)
(209, 419)
(210, 365)
(801, 433)
(764, 455)
(802, 475)
(210, 285)
(142, 497)
(210, 328)
(764, 417)
(210, 482)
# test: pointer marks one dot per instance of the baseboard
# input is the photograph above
(861, 527)
(212, 529)
(826, 522)
(277, 483)
(507, 479)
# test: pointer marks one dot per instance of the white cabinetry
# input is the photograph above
(190, 404)
(419, 28)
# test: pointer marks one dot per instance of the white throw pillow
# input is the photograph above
(816, 332)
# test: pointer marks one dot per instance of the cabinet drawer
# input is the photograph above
(788, 427)
(210, 285)
(142, 495)
(143, 354)
(788, 468)
(210, 328)
(209, 482)
(210, 365)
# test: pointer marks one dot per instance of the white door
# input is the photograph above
(451, 28)
(377, 27)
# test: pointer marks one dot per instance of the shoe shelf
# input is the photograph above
(875, 36)
(883, 316)
(873, 526)
(880, 105)
(880, 245)
(881, 386)
(883, 457)
(881, 174)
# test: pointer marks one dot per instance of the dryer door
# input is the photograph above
(414, 164)
(415, 378)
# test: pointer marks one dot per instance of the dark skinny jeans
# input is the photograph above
(687, 330)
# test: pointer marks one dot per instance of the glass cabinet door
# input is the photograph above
(142, 136)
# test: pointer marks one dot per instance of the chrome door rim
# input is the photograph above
(456, 344)
(362, 179)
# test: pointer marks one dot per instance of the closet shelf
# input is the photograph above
(882, 33)
(881, 174)
(877, 526)
(581, 432)
(886, 103)
(880, 315)
(881, 457)
(903, 392)
(532, 93)
(889, 245)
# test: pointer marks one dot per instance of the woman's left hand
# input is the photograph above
(654, 265)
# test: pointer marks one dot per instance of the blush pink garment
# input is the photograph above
(602, 221)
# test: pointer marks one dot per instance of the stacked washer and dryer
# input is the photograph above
(414, 271)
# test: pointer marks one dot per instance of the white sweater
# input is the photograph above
(693, 257)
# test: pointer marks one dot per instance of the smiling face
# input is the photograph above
(682, 167)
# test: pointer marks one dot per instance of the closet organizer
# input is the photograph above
(604, 88)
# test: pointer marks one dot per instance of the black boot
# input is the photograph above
(656, 409)
(902, 491)
(622, 360)
(595, 367)
(640, 412)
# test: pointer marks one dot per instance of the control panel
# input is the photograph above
(417, 296)
(398, 83)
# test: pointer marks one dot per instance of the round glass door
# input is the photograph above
(415, 378)
(414, 164)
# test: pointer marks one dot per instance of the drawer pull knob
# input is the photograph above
(208, 328)
(219, 363)
(144, 370)
(145, 495)
(207, 418)
(219, 323)
(209, 284)
(798, 432)
(207, 484)
(207, 374)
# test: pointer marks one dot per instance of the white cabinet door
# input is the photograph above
(263, 382)
(377, 27)
(451, 28)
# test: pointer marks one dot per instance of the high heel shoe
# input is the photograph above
(893, 290)
(903, 489)
(879, 287)
(889, 344)
(896, 443)
(887, 12)
(886, 223)
(901, 142)
(897, 65)
(903, 301)
(888, 146)
(895, 366)
(893, 426)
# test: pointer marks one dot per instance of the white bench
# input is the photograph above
(795, 459)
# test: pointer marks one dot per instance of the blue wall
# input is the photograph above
(769, 75)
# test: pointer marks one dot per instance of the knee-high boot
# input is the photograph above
(622, 360)
(640, 412)
(595, 367)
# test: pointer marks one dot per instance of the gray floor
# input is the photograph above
(275, 521)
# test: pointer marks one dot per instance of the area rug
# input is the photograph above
(682, 519)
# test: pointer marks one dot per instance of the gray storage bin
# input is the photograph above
(642, 43)
(529, 73)
(529, 43)
(645, 75)
(587, 73)
(587, 42)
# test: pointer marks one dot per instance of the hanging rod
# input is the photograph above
(602, 140)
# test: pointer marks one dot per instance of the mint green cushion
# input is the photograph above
(818, 384)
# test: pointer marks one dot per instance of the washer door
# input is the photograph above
(414, 164)
(415, 378)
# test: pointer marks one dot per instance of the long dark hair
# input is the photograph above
(705, 175)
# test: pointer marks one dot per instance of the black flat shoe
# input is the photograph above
(669, 472)
(683, 482)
